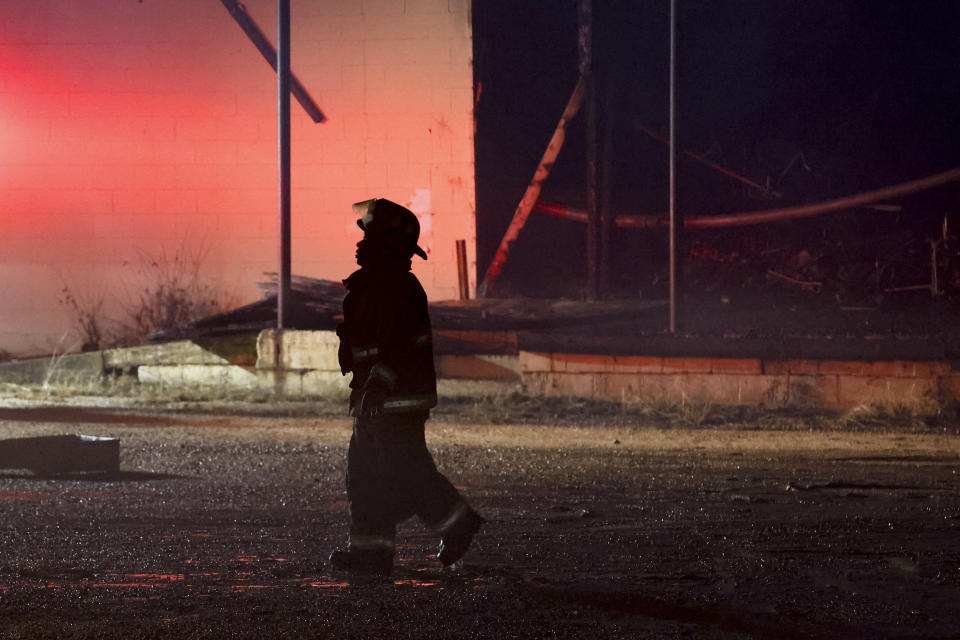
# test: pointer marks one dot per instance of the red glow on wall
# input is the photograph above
(130, 128)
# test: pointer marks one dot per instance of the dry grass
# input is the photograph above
(486, 404)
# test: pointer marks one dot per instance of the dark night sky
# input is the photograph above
(866, 90)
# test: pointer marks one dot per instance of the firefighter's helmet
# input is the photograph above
(381, 217)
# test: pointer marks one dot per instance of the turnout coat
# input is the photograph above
(386, 339)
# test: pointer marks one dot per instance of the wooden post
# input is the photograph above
(533, 191)
(605, 206)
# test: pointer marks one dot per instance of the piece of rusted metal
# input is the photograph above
(463, 279)
(263, 45)
(61, 454)
(713, 165)
(532, 192)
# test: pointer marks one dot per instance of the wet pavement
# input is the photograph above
(219, 525)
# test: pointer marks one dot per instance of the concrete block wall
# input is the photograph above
(133, 133)
(305, 362)
(299, 362)
(747, 381)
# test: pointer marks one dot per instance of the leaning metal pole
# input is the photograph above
(283, 137)
(260, 41)
(673, 167)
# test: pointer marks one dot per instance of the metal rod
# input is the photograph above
(838, 204)
(673, 168)
(463, 279)
(713, 165)
(266, 49)
(654, 221)
(283, 136)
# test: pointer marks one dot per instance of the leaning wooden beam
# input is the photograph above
(263, 45)
(533, 190)
(652, 221)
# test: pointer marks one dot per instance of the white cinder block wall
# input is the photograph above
(130, 131)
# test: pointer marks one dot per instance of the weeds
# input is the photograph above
(88, 319)
(169, 291)
(877, 416)
(175, 293)
(485, 407)
(52, 372)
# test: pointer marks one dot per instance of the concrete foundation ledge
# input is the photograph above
(298, 350)
(824, 384)
(198, 375)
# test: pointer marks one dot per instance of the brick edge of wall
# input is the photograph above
(833, 384)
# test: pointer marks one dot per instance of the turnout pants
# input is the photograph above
(391, 476)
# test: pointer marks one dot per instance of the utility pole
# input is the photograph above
(673, 167)
(283, 137)
(594, 226)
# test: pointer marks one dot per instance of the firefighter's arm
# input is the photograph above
(384, 370)
(401, 329)
(345, 351)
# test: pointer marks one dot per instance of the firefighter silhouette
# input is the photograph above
(386, 343)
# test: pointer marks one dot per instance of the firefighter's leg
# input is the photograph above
(433, 498)
(372, 527)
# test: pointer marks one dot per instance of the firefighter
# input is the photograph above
(386, 343)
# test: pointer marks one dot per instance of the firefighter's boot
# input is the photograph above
(368, 561)
(457, 536)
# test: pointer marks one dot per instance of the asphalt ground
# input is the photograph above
(219, 525)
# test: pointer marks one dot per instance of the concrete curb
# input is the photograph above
(304, 363)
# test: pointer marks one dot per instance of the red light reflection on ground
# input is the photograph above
(235, 582)
(328, 585)
(414, 583)
(54, 494)
(133, 580)
(19, 495)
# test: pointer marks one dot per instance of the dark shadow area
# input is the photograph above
(721, 617)
(81, 415)
(120, 476)
(808, 101)
(75, 415)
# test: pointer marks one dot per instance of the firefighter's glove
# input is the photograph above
(344, 353)
(371, 400)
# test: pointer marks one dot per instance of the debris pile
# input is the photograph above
(871, 266)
